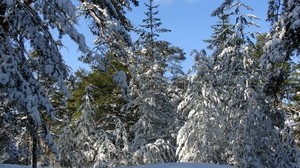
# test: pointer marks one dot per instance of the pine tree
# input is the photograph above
(67, 146)
(229, 119)
(25, 26)
(22, 25)
(85, 131)
(109, 97)
(282, 43)
(153, 133)
(18, 81)
(281, 52)
(220, 38)
(111, 27)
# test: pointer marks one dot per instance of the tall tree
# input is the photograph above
(281, 53)
(220, 38)
(25, 26)
(229, 119)
(85, 131)
(153, 132)
(282, 42)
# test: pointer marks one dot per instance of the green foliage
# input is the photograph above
(159, 52)
(221, 35)
(107, 96)
(258, 47)
(292, 95)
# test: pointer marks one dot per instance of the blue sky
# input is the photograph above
(188, 20)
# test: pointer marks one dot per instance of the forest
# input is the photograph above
(239, 105)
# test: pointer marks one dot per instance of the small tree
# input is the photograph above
(67, 146)
(102, 144)
(85, 133)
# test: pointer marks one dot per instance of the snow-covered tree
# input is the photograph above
(25, 26)
(15, 140)
(229, 118)
(100, 145)
(281, 55)
(85, 131)
(283, 40)
(282, 44)
(111, 27)
(113, 148)
(66, 145)
(220, 38)
(151, 100)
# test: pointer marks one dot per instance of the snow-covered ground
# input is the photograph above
(11, 166)
(182, 165)
(164, 165)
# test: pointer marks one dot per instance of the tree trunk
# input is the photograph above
(33, 131)
(34, 149)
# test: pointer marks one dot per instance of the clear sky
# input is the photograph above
(188, 20)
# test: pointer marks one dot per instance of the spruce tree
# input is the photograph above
(153, 134)
(229, 118)
(67, 146)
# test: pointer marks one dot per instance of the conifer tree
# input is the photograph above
(282, 43)
(108, 96)
(101, 144)
(85, 131)
(229, 119)
(111, 27)
(280, 52)
(153, 132)
(220, 38)
(25, 26)
(67, 147)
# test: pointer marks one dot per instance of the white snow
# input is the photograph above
(181, 165)
(14, 166)
(163, 165)
(120, 79)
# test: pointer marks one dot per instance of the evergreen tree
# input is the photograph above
(111, 27)
(25, 26)
(108, 97)
(281, 53)
(291, 99)
(102, 144)
(282, 42)
(85, 131)
(220, 38)
(153, 134)
(67, 147)
(229, 119)
(18, 82)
